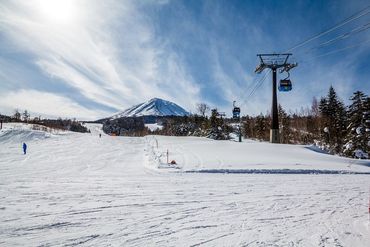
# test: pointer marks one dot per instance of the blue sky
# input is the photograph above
(90, 59)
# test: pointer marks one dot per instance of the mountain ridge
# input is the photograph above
(153, 107)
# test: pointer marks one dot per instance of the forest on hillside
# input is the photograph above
(37, 121)
(328, 124)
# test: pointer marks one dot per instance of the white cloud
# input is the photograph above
(47, 105)
(106, 50)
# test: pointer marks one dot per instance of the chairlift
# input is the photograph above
(236, 112)
(285, 85)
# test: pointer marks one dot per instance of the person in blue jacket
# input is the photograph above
(24, 148)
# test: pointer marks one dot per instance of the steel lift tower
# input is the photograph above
(274, 62)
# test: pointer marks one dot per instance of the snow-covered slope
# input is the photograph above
(153, 107)
(79, 189)
(20, 132)
(197, 154)
(95, 128)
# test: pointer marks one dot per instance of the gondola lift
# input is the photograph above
(285, 85)
(236, 111)
(236, 117)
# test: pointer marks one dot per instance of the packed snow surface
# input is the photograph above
(79, 189)
(207, 155)
(153, 107)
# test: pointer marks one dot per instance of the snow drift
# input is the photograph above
(18, 133)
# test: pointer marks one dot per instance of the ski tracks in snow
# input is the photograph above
(84, 190)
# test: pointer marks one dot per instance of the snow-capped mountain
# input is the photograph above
(153, 107)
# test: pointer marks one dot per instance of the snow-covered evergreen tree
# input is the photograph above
(284, 124)
(356, 139)
(367, 124)
(333, 121)
(219, 130)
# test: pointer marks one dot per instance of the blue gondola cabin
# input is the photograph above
(285, 85)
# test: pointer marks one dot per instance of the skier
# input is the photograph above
(99, 135)
(24, 148)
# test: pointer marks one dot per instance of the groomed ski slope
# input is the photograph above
(79, 189)
(194, 154)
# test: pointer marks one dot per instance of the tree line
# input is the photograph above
(329, 124)
(61, 124)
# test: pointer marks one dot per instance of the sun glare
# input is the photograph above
(60, 11)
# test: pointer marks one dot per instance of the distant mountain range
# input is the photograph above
(153, 107)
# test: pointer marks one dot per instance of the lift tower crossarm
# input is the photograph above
(274, 54)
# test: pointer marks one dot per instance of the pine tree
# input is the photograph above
(355, 129)
(341, 122)
(367, 125)
(213, 119)
(323, 109)
(219, 130)
(333, 121)
(356, 139)
(285, 131)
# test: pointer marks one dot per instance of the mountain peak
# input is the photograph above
(153, 107)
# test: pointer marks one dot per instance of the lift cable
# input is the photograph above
(338, 50)
(247, 88)
(353, 17)
(346, 35)
(258, 85)
(340, 37)
(356, 30)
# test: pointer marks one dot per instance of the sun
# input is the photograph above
(59, 11)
